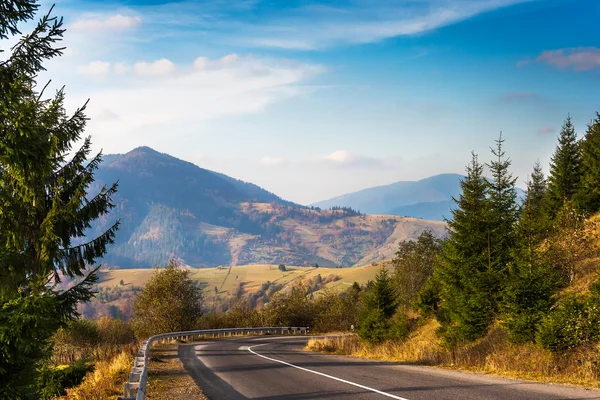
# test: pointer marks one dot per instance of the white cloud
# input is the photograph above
(345, 158)
(179, 102)
(95, 69)
(272, 161)
(116, 22)
(364, 21)
(121, 68)
(206, 63)
(162, 67)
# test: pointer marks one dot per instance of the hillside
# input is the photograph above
(170, 208)
(251, 276)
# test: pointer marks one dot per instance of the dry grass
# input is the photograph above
(253, 276)
(491, 355)
(105, 382)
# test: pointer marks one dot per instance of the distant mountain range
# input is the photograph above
(170, 208)
(429, 198)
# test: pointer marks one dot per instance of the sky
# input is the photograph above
(313, 99)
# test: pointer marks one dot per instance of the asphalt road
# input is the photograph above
(278, 368)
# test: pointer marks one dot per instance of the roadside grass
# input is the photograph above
(105, 382)
(490, 355)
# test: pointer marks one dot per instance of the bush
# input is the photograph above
(52, 381)
(576, 322)
(75, 341)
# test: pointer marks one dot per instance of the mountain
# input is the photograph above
(170, 208)
(429, 198)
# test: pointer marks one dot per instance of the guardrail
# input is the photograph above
(135, 387)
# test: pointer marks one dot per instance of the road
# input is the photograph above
(277, 368)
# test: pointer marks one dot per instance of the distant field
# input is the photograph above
(252, 276)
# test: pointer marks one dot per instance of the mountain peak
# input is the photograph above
(143, 150)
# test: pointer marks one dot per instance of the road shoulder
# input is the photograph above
(167, 377)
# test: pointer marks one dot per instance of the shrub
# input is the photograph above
(52, 381)
(576, 322)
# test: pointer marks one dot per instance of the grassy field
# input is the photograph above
(251, 276)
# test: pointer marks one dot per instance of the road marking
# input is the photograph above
(322, 374)
(243, 348)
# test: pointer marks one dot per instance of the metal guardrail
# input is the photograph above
(135, 387)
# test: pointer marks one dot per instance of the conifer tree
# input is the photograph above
(565, 169)
(379, 306)
(45, 207)
(533, 225)
(588, 196)
(466, 276)
(532, 283)
(504, 211)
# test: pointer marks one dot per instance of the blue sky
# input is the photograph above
(313, 99)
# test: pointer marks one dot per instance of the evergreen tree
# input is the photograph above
(533, 225)
(379, 306)
(466, 276)
(503, 213)
(588, 196)
(565, 169)
(45, 207)
(532, 282)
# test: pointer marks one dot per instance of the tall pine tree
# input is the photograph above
(45, 207)
(531, 282)
(504, 212)
(533, 225)
(588, 196)
(466, 275)
(565, 169)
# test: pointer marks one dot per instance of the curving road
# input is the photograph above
(278, 368)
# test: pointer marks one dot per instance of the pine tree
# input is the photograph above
(533, 225)
(467, 280)
(379, 306)
(45, 207)
(565, 169)
(504, 211)
(532, 283)
(588, 196)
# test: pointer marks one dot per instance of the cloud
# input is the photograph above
(517, 96)
(203, 63)
(162, 67)
(345, 158)
(576, 59)
(159, 99)
(362, 21)
(545, 129)
(95, 69)
(273, 161)
(121, 68)
(116, 22)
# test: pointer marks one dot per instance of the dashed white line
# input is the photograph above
(325, 375)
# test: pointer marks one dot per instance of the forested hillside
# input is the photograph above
(514, 287)
(170, 208)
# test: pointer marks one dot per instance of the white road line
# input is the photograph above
(322, 374)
